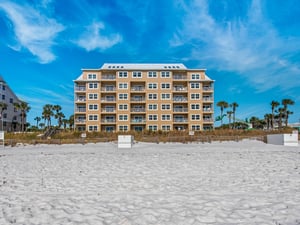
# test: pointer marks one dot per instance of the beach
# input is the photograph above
(246, 182)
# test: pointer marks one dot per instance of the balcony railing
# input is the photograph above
(80, 120)
(182, 89)
(108, 120)
(208, 99)
(108, 89)
(108, 99)
(179, 99)
(80, 99)
(179, 77)
(108, 77)
(135, 121)
(137, 99)
(108, 110)
(80, 88)
(80, 110)
(208, 120)
(207, 88)
(138, 89)
(180, 110)
(207, 109)
(138, 110)
(180, 120)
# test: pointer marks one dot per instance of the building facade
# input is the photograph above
(125, 97)
(10, 116)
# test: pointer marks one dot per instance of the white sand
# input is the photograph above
(247, 182)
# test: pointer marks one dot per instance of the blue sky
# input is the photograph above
(251, 48)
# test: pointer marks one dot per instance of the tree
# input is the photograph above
(234, 105)
(65, 122)
(47, 114)
(58, 115)
(229, 114)
(274, 105)
(280, 116)
(268, 120)
(3, 106)
(71, 121)
(223, 105)
(24, 108)
(38, 119)
(285, 103)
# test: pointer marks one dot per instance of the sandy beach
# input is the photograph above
(247, 182)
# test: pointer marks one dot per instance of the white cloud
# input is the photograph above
(92, 39)
(250, 46)
(33, 31)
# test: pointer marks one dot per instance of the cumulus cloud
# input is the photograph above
(92, 39)
(33, 31)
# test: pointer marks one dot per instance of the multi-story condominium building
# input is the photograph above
(124, 97)
(10, 116)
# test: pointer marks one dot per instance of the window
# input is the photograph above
(3, 97)
(92, 76)
(11, 100)
(123, 96)
(195, 127)
(195, 96)
(152, 96)
(195, 106)
(93, 96)
(123, 107)
(196, 76)
(165, 107)
(123, 85)
(166, 117)
(93, 85)
(165, 96)
(123, 128)
(4, 115)
(152, 106)
(136, 74)
(93, 117)
(165, 74)
(152, 86)
(123, 117)
(123, 74)
(93, 107)
(165, 86)
(152, 127)
(195, 85)
(152, 74)
(93, 128)
(196, 117)
(152, 117)
(166, 127)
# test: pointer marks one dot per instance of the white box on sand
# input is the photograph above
(125, 141)
(283, 139)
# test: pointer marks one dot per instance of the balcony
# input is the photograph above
(108, 110)
(180, 110)
(138, 121)
(108, 99)
(179, 77)
(180, 99)
(208, 99)
(80, 99)
(137, 89)
(137, 110)
(180, 89)
(208, 120)
(80, 121)
(180, 120)
(80, 110)
(137, 99)
(108, 121)
(108, 89)
(80, 89)
(208, 110)
(207, 88)
(108, 77)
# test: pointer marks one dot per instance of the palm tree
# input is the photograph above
(3, 106)
(24, 107)
(65, 122)
(58, 114)
(234, 105)
(280, 116)
(47, 114)
(38, 119)
(285, 103)
(274, 105)
(268, 119)
(71, 121)
(223, 105)
(229, 114)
